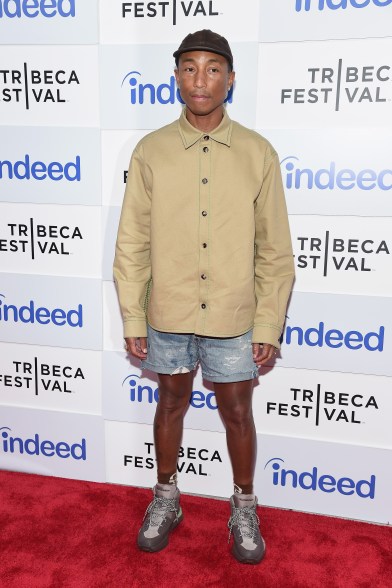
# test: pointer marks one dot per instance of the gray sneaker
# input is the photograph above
(249, 546)
(163, 515)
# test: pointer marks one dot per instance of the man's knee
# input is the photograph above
(238, 415)
(175, 391)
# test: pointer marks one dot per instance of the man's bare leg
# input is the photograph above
(174, 395)
(164, 513)
(235, 406)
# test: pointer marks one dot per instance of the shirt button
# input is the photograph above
(205, 149)
(203, 306)
(204, 213)
(204, 245)
(203, 277)
(206, 137)
(204, 180)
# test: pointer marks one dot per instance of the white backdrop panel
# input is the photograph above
(49, 88)
(117, 148)
(163, 22)
(52, 443)
(130, 394)
(110, 220)
(138, 88)
(325, 173)
(51, 311)
(348, 85)
(342, 255)
(338, 333)
(112, 321)
(56, 21)
(50, 165)
(323, 331)
(72, 111)
(50, 239)
(321, 405)
(328, 478)
(331, 406)
(299, 20)
(51, 378)
(203, 464)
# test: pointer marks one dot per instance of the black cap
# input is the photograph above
(205, 40)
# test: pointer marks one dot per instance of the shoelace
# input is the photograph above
(247, 521)
(158, 509)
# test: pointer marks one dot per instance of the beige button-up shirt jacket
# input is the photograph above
(203, 243)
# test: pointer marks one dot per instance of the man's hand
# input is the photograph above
(136, 346)
(263, 352)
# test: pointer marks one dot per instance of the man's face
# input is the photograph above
(204, 81)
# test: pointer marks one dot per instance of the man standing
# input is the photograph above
(204, 269)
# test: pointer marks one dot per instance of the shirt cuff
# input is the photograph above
(266, 334)
(135, 328)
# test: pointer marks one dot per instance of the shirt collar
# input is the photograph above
(189, 134)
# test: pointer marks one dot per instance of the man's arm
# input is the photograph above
(132, 265)
(274, 265)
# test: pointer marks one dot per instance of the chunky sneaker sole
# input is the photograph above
(247, 559)
(165, 538)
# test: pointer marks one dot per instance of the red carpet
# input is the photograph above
(58, 533)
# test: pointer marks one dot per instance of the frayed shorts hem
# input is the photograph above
(220, 359)
(162, 369)
(218, 379)
(241, 377)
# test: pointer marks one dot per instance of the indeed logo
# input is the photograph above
(34, 8)
(25, 169)
(40, 315)
(306, 5)
(330, 177)
(165, 93)
(36, 446)
(326, 482)
(334, 338)
(141, 393)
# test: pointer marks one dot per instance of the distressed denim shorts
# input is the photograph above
(221, 359)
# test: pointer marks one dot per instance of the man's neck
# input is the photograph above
(206, 123)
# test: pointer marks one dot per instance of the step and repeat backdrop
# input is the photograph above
(81, 82)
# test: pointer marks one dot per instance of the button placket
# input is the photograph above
(204, 203)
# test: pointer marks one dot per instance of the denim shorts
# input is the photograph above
(221, 359)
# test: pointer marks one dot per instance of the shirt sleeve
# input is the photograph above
(132, 265)
(274, 264)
